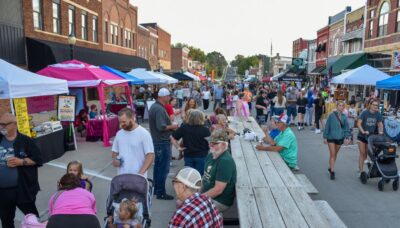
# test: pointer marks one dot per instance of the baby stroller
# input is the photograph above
(383, 162)
(131, 186)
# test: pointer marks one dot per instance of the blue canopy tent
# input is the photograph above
(132, 79)
(392, 83)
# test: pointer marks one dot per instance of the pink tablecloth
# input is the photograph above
(94, 127)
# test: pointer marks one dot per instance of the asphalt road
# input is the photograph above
(358, 205)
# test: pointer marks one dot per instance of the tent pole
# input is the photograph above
(12, 106)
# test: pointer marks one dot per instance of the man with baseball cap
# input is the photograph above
(161, 129)
(219, 177)
(196, 210)
(285, 143)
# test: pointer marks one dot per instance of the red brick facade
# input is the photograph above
(323, 46)
(153, 48)
(164, 45)
(179, 59)
(143, 42)
(93, 8)
(298, 46)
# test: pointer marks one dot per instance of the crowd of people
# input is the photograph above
(205, 187)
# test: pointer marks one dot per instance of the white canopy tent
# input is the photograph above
(147, 76)
(364, 75)
(18, 83)
(170, 80)
(195, 78)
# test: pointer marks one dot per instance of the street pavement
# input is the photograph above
(357, 205)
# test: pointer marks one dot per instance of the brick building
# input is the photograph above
(354, 32)
(143, 42)
(322, 47)
(382, 34)
(298, 46)
(105, 32)
(163, 44)
(180, 59)
(153, 53)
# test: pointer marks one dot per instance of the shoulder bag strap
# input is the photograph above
(338, 118)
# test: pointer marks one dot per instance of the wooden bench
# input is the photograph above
(268, 193)
(330, 214)
(307, 185)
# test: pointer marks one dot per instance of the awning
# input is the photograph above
(132, 79)
(42, 53)
(347, 62)
(147, 76)
(180, 76)
(290, 75)
(357, 34)
(170, 80)
(318, 70)
(195, 78)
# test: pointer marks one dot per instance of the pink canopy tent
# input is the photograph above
(81, 75)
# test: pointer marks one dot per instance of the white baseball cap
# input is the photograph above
(189, 177)
(163, 92)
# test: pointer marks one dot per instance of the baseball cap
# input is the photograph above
(163, 92)
(218, 136)
(189, 177)
(282, 118)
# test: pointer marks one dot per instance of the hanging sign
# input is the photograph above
(66, 108)
(21, 113)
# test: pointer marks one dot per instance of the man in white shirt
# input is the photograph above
(133, 150)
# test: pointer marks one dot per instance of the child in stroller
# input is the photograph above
(125, 188)
(383, 164)
(126, 215)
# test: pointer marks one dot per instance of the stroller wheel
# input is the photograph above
(363, 177)
(395, 185)
(381, 183)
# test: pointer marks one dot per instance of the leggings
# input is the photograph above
(206, 103)
(317, 119)
(68, 221)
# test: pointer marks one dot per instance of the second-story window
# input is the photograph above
(84, 22)
(106, 31)
(71, 20)
(112, 33)
(383, 19)
(398, 22)
(94, 29)
(116, 34)
(56, 16)
(122, 38)
(370, 29)
(37, 14)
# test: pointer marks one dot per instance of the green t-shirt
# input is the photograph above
(287, 140)
(222, 169)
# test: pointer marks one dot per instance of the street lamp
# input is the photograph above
(71, 42)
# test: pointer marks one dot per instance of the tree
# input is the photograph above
(197, 54)
(244, 63)
(217, 62)
(179, 45)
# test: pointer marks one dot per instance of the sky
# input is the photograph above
(245, 27)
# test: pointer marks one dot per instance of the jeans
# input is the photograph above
(180, 102)
(217, 102)
(8, 205)
(206, 103)
(291, 111)
(309, 115)
(278, 111)
(317, 119)
(162, 161)
(196, 163)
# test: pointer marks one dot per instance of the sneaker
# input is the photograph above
(317, 131)
(298, 128)
(165, 197)
(332, 176)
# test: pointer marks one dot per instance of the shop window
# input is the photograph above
(71, 20)
(94, 29)
(37, 14)
(56, 16)
(383, 19)
(84, 25)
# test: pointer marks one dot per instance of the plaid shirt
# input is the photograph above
(196, 211)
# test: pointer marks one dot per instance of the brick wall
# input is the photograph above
(92, 7)
(143, 42)
(164, 48)
(153, 43)
(176, 58)
(322, 37)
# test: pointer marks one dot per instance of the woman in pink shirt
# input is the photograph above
(72, 206)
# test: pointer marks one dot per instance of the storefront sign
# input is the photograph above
(21, 113)
(66, 108)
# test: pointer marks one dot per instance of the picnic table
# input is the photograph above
(268, 193)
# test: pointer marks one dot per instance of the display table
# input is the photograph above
(52, 146)
(94, 128)
(115, 108)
